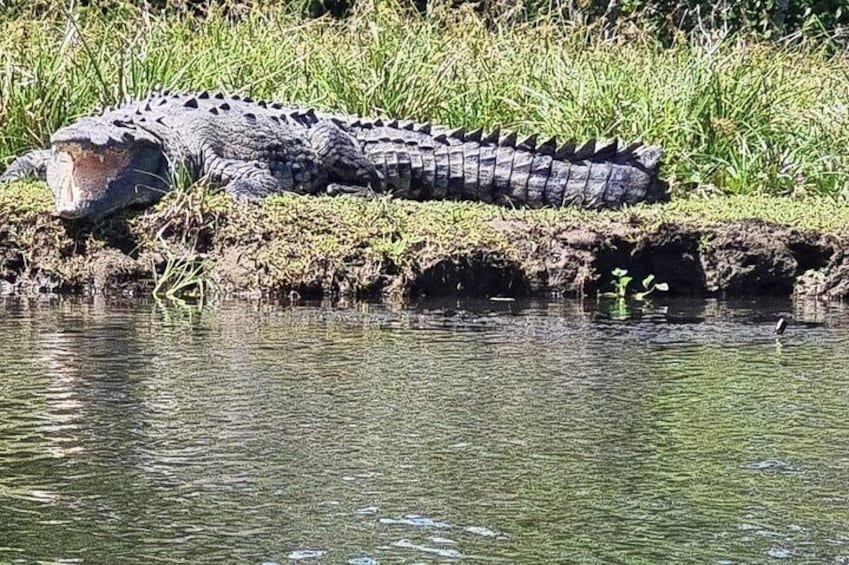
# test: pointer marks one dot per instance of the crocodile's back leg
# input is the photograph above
(342, 158)
(247, 181)
(31, 165)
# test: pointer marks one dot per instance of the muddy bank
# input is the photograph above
(393, 249)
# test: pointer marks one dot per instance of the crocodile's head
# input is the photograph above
(100, 164)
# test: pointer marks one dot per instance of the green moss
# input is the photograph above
(322, 243)
(313, 240)
(24, 200)
(336, 225)
(815, 213)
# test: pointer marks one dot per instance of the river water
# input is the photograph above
(539, 432)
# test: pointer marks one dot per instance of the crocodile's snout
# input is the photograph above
(99, 164)
(81, 177)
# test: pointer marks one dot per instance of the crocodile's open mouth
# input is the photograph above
(85, 175)
(89, 181)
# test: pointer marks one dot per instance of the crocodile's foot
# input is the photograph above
(360, 191)
(29, 165)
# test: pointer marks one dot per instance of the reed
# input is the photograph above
(735, 115)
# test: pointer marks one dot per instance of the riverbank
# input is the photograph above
(738, 116)
(195, 244)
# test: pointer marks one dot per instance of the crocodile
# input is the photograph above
(131, 155)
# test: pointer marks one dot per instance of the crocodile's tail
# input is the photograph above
(604, 174)
(596, 174)
(430, 162)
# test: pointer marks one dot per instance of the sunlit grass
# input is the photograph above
(196, 246)
(734, 116)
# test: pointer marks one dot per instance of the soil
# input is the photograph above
(380, 251)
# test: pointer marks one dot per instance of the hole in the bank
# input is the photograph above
(475, 275)
(811, 256)
(114, 232)
(675, 263)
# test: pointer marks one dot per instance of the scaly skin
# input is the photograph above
(131, 154)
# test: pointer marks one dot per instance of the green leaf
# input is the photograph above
(619, 273)
(647, 281)
(663, 287)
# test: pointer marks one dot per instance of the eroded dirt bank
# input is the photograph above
(393, 249)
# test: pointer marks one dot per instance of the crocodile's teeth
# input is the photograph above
(70, 191)
(68, 188)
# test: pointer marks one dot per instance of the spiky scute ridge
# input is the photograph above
(593, 150)
(257, 147)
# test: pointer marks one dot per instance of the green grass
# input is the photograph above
(196, 245)
(735, 117)
(389, 225)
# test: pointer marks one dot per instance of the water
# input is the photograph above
(479, 432)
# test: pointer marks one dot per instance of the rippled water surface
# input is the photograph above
(479, 432)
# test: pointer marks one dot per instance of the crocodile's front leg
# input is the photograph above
(246, 181)
(29, 165)
(350, 171)
(333, 161)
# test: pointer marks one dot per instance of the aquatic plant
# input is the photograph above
(181, 278)
(183, 226)
(620, 308)
(621, 281)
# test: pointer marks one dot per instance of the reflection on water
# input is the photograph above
(507, 432)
